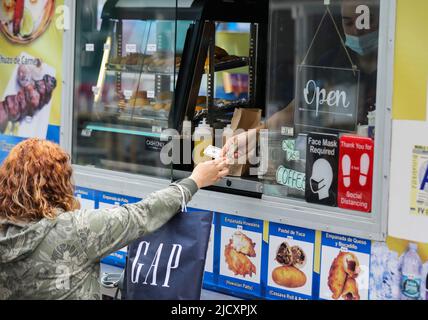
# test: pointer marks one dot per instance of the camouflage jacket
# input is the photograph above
(59, 259)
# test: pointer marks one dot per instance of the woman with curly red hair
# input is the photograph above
(49, 248)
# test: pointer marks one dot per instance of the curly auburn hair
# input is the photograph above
(35, 182)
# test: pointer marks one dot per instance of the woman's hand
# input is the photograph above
(208, 173)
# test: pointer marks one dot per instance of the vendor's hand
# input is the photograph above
(208, 173)
(243, 144)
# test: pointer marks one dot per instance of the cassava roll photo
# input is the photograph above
(289, 277)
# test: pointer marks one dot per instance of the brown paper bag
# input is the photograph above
(243, 119)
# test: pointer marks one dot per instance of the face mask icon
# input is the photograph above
(322, 178)
(317, 186)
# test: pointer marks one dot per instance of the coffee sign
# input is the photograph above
(327, 99)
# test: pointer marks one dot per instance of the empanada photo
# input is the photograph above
(243, 244)
(343, 272)
(284, 255)
(350, 290)
(238, 262)
(299, 257)
(351, 264)
(290, 256)
(337, 276)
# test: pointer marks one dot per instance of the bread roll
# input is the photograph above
(289, 277)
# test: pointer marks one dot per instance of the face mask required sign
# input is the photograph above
(326, 98)
(419, 185)
(322, 169)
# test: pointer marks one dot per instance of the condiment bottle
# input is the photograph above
(203, 138)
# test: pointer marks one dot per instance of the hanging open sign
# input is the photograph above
(326, 99)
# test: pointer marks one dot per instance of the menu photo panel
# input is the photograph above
(290, 262)
(241, 254)
(86, 198)
(345, 267)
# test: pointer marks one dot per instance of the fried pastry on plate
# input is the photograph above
(350, 290)
(238, 263)
(337, 276)
(241, 243)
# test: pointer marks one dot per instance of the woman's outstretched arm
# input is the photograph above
(105, 231)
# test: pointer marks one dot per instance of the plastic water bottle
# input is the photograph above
(411, 278)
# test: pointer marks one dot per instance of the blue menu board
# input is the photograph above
(240, 255)
(345, 267)
(86, 197)
(290, 263)
(110, 200)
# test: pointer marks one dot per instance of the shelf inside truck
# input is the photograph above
(122, 130)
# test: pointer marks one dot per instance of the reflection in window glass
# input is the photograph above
(125, 76)
(322, 101)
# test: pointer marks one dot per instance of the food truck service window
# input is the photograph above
(127, 58)
(321, 108)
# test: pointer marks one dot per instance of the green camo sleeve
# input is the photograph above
(103, 232)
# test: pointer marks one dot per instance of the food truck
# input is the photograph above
(325, 91)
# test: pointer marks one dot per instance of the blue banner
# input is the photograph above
(345, 267)
(291, 255)
(111, 199)
(86, 197)
(246, 223)
(240, 255)
(346, 242)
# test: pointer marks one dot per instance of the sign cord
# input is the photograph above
(328, 12)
